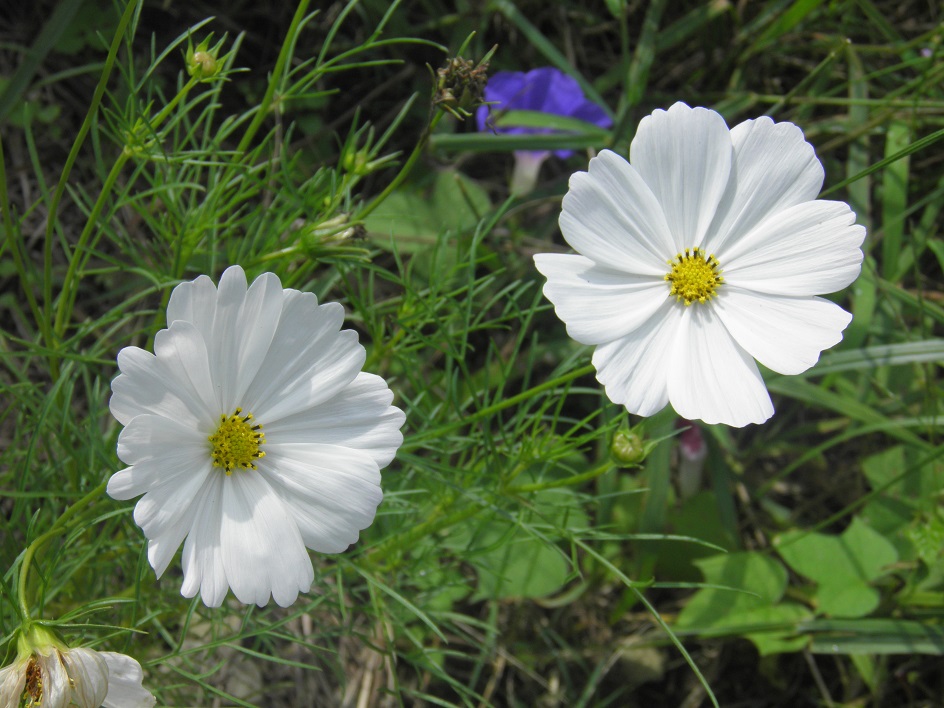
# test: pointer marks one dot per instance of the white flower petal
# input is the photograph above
(809, 249)
(89, 674)
(596, 303)
(202, 557)
(333, 492)
(222, 341)
(125, 689)
(278, 355)
(165, 504)
(784, 334)
(193, 302)
(149, 437)
(684, 155)
(57, 691)
(147, 386)
(359, 417)
(13, 682)
(610, 215)
(712, 378)
(162, 546)
(263, 552)
(256, 324)
(774, 169)
(182, 352)
(309, 360)
(635, 368)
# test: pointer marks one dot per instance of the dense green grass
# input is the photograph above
(514, 561)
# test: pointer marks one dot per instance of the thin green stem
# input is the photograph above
(38, 543)
(435, 523)
(46, 321)
(566, 482)
(14, 247)
(405, 170)
(285, 55)
(497, 407)
(69, 283)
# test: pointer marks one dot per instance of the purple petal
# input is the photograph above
(547, 90)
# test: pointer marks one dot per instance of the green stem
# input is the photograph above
(14, 247)
(500, 406)
(405, 170)
(45, 324)
(288, 47)
(38, 543)
(436, 522)
(69, 285)
(566, 482)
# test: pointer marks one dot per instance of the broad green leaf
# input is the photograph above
(761, 579)
(519, 558)
(918, 482)
(842, 566)
(413, 219)
(756, 613)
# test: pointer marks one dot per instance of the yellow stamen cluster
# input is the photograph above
(33, 690)
(694, 276)
(236, 442)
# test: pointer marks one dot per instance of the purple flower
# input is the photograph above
(547, 90)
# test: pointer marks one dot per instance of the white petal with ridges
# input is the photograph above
(308, 363)
(89, 674)
(712, 378)
(596, 303)
(784, 334)
(256, 325)
(223, 340)
(332, 491)
(166, 503)
(262, 550)
(202, 557)
(635, 368)
(57, 691)
(154, 437)
(182, 353)
(278, 355)
(146, 385)
(12, 682)
(774, 169)
(684, 155)
(359, 417)
(809, 249)
(194, 302)
(125, 689)
(610, 215)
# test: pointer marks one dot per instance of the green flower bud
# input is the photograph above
(203, 62)
(628, 447)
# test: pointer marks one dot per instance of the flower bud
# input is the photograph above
(628, 447)
(460, 85)
(202, 61)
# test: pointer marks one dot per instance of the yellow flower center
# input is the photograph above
(33, 690)
(694, 276)
(236, 442)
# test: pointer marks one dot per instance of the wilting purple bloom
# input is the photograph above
(547, 90)
(692, 454)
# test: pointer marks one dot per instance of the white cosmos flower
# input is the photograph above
(701, 254)
(252, 433)
(47, 674)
